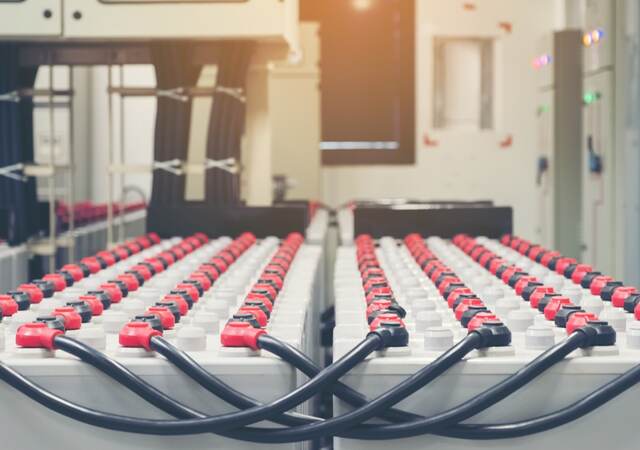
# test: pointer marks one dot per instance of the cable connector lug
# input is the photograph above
(494, 334)
(392, 333)
(599, 334)
(241, 334)
(137, 335)
(37, 335)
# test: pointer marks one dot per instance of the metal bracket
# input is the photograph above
(237, 93)
(177, 94)
(172, 166)
(13, 97)
(8, 171)
(180, 93)
(17, 95)
(180, 168)
(229, 165)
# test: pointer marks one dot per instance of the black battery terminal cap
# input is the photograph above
(47, 287)
(470, 313)
(184, 294)
(83, 309)
(260, 305)
(249, 318)
(544, 301)
(392, 334)
(22, 299)
(588, 279)
(494, 333)
(515, 277)
(608, 290)
(631, 302)
(68, 277)
(137, 275)
(122, 286)
(104, 298)
(54, 322)
(529, 289)
(563, 315)
(599, 334)
(152, 319)
(171, 306)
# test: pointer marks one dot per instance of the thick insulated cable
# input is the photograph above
(373, 408)
(199, 425)
(556, 419)
(121, 423)
(306, 365)
(478, 403)
(447, 418)
(216, 386)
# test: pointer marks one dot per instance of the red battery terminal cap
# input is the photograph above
(130, 281)
(621, 294)
(598, 283)
(72, 320)
(578, 320)
(580, 272)
(113, 290)
(35, 293)
(256, 312)
(466, 304)
(191, 290)
(76, 271)
(538, 294)
(479, 320)
(97, 308)
(137, 335)
(385, 318)
(241, 334)
(37, 335)
(523, 282)
(167, 319)
(554, 306)
(8, 306)
(92, 263)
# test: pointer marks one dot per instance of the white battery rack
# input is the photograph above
(257, 374)
(433, 329)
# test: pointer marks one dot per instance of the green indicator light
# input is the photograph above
(590, 97)
(543, 109)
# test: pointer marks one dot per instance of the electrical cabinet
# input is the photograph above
(598, 172)
(30, 18)
(546, 167)
(598, 35)
(263, 20)
(558, 119)
(249, 19)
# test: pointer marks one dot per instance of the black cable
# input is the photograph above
(428, 424)
(123, 423)
(552, 420)
(217, 424)
(131, 381)
(124, 376)
(216, 386)
(305, 365)
(478, 403)
(18, 199)
(338, 425)
(97, 418)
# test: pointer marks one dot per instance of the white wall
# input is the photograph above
(468, 165)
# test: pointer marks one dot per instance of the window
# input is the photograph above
(463, 77)
(368, 80)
